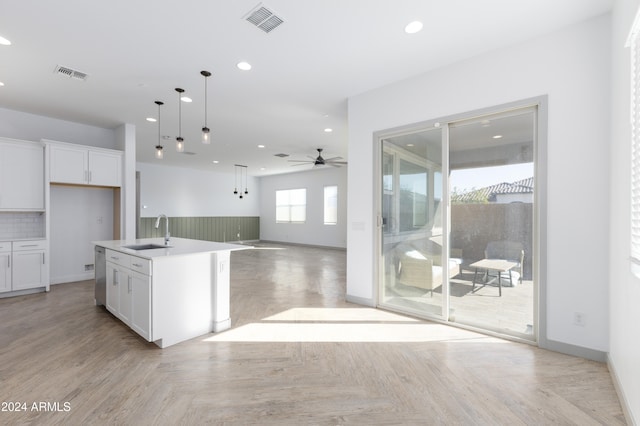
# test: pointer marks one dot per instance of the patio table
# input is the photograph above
(492, 265)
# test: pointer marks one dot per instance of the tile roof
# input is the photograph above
(489, 193)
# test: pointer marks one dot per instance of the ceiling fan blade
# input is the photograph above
(300, 161)
(333, 158)
(334, 164)
(306, 163)
(337, 162)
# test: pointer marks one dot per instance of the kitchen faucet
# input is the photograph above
(166, 221)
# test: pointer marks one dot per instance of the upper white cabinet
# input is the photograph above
(21, 175)
(83, 165)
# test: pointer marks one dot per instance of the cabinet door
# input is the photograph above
(105, 168)
(141, 304)
(28, 269)
(124, 312)
(21, 176)
(68, 164)
(113, 288)
(5, 272)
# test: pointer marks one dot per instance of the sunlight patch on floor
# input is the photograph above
(346, 325)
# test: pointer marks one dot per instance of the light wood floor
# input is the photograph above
(296, 354)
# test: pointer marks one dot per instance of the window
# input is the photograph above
(634, 44)
(330, 205)
(291, 206)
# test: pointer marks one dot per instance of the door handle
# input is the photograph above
(129, 285)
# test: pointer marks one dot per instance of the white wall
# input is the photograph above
(78, 216)
(313, 231)
(22, 125)
(182, 192)
(624, 351)
(572, 68)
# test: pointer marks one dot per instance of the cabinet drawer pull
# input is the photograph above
(28, 245)
(137, 265)
(115, 257)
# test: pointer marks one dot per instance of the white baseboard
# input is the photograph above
(72, 278)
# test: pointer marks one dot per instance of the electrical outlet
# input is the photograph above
(579, 319)
(88, 267)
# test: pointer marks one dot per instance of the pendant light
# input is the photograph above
(235, 169)
(246, 191)
(241, 168)
(179, 140)
(205, 130)
(159, 149)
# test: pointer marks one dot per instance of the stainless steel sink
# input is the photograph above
(145, 246)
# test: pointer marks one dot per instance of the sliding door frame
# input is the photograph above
(539, 215)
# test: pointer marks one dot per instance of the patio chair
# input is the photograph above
(512, 251)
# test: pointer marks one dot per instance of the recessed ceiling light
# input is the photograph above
(260, 146)
(215, 161)
(410, 144)
(413, 27)
(328, 130)
(186, 99)
(4, 41)
(1, 84)
(497, 136)
(263, 168)
(244, 66)
(485, 123)
(151, 119)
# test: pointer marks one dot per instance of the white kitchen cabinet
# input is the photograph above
(21, 175)
(113, 288)
(141, 304)
(129, 291)
(82, 165)
(5, 267)
(28, 264)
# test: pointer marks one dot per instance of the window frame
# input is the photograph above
(335, 208)
(290, 206)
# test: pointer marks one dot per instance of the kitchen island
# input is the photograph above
(168, 294)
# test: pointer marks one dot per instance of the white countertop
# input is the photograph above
(177, 247)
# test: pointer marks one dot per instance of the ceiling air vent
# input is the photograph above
(71, 73)
(263, 18)
(281, 155)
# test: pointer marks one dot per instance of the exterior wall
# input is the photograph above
(572, 68)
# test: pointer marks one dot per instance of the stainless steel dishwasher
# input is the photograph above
(100, 270)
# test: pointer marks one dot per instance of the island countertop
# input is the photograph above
(176, 247)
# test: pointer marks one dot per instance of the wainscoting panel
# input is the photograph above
(221, 229)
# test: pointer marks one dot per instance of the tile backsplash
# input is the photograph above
(18, 226)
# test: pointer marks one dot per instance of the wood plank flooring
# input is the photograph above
(297, 354)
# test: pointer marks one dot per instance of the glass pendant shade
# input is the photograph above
(179, 144)
(205, 136)
(159, 152)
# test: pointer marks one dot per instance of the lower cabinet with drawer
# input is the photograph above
(129, 291)
(23, 265)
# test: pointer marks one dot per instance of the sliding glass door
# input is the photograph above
(412, 222)
(461, 248)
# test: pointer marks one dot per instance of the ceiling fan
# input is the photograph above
(319, 161)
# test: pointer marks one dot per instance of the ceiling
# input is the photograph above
(303, 72)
